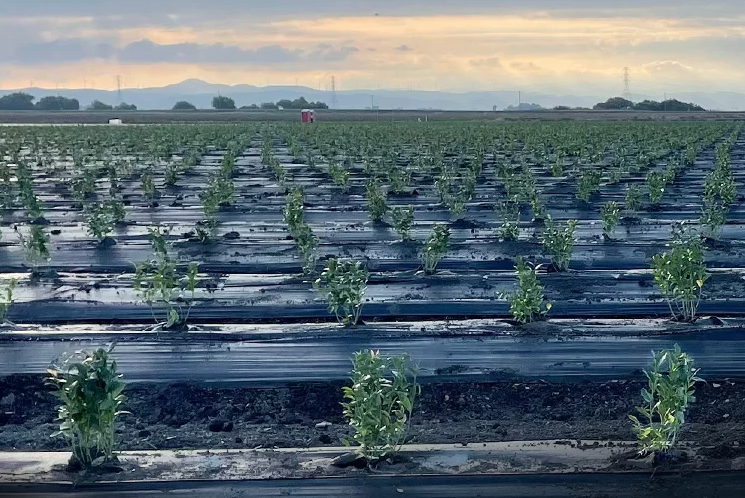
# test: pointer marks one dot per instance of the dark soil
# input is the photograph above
(194, 416)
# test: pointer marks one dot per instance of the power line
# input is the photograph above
(626, 83)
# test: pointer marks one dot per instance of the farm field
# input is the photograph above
(208, 253)
(207, 116)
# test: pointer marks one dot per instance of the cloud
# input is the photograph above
(60, 51)
(668, 68)
(404, 48)
(149, 52)
(525, 66)
(493, 62)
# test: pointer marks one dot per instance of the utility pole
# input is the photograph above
(334, 101)
(626, 84)
(118, 89)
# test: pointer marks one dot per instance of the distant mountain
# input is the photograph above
(200, 93)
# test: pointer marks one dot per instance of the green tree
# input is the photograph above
(51, 103)
(183, 105)
(126, 107)
(223, 103)
(614, 104)
(97, 105)
(18, 101)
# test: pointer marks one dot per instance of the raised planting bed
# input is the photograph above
(189, 415)
(249, 270)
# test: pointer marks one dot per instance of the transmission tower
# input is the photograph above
(334, 101)
(626, 84)
(118, 89)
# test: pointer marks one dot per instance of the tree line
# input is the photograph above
(673, 105)
(21, 101)
(226, 103)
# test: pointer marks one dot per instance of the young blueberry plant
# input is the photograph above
(343, 283)
(162, 284)
(558, 242)
(100, 220)
(611, 213)
(656, 186)
(671, 380)
(91, 392)
(403, 219)
(527, 303)
(680, 274)
(379, 403)
(376, 205)
(633, 201)
(510, 214)
(6, 299)
(435, 248)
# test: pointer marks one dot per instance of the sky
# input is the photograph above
(579, 47)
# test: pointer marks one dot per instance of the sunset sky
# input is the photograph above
(578, 48)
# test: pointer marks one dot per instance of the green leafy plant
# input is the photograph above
(147, 183)
(379, 403)
(588, 183)
(671, 378)
(400, 179)
(633, 201)
(680, 274)
(527, 303)
(376, 205)
(307, 244)
(713, 217)
(161, 282)
(510, 214)
(35, 245)
(339, 175)
(100, 220)
(343, 283)
(91, 392)
(611, 213)
(403, 219)
(558, 242)
(435, 248)
(294, 209)
(6, 300)
(656, 186)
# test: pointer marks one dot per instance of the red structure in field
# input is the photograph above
(307, 116)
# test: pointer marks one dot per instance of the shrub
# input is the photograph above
(713, 216)
(403, 219)
(100, 220)
(7, 300)
(527, 304)
(376, 201)
(559, 242)
(656, 186)
(91, 392)
(380, 402)
(680, 274)
(339, 175)
(435, 248)
(35, 245)
(633, 201)
(611, 213)
(510, 214)
(343, 282)
(162, 282)
(588, 183)
(294, 209)
(671, 379)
